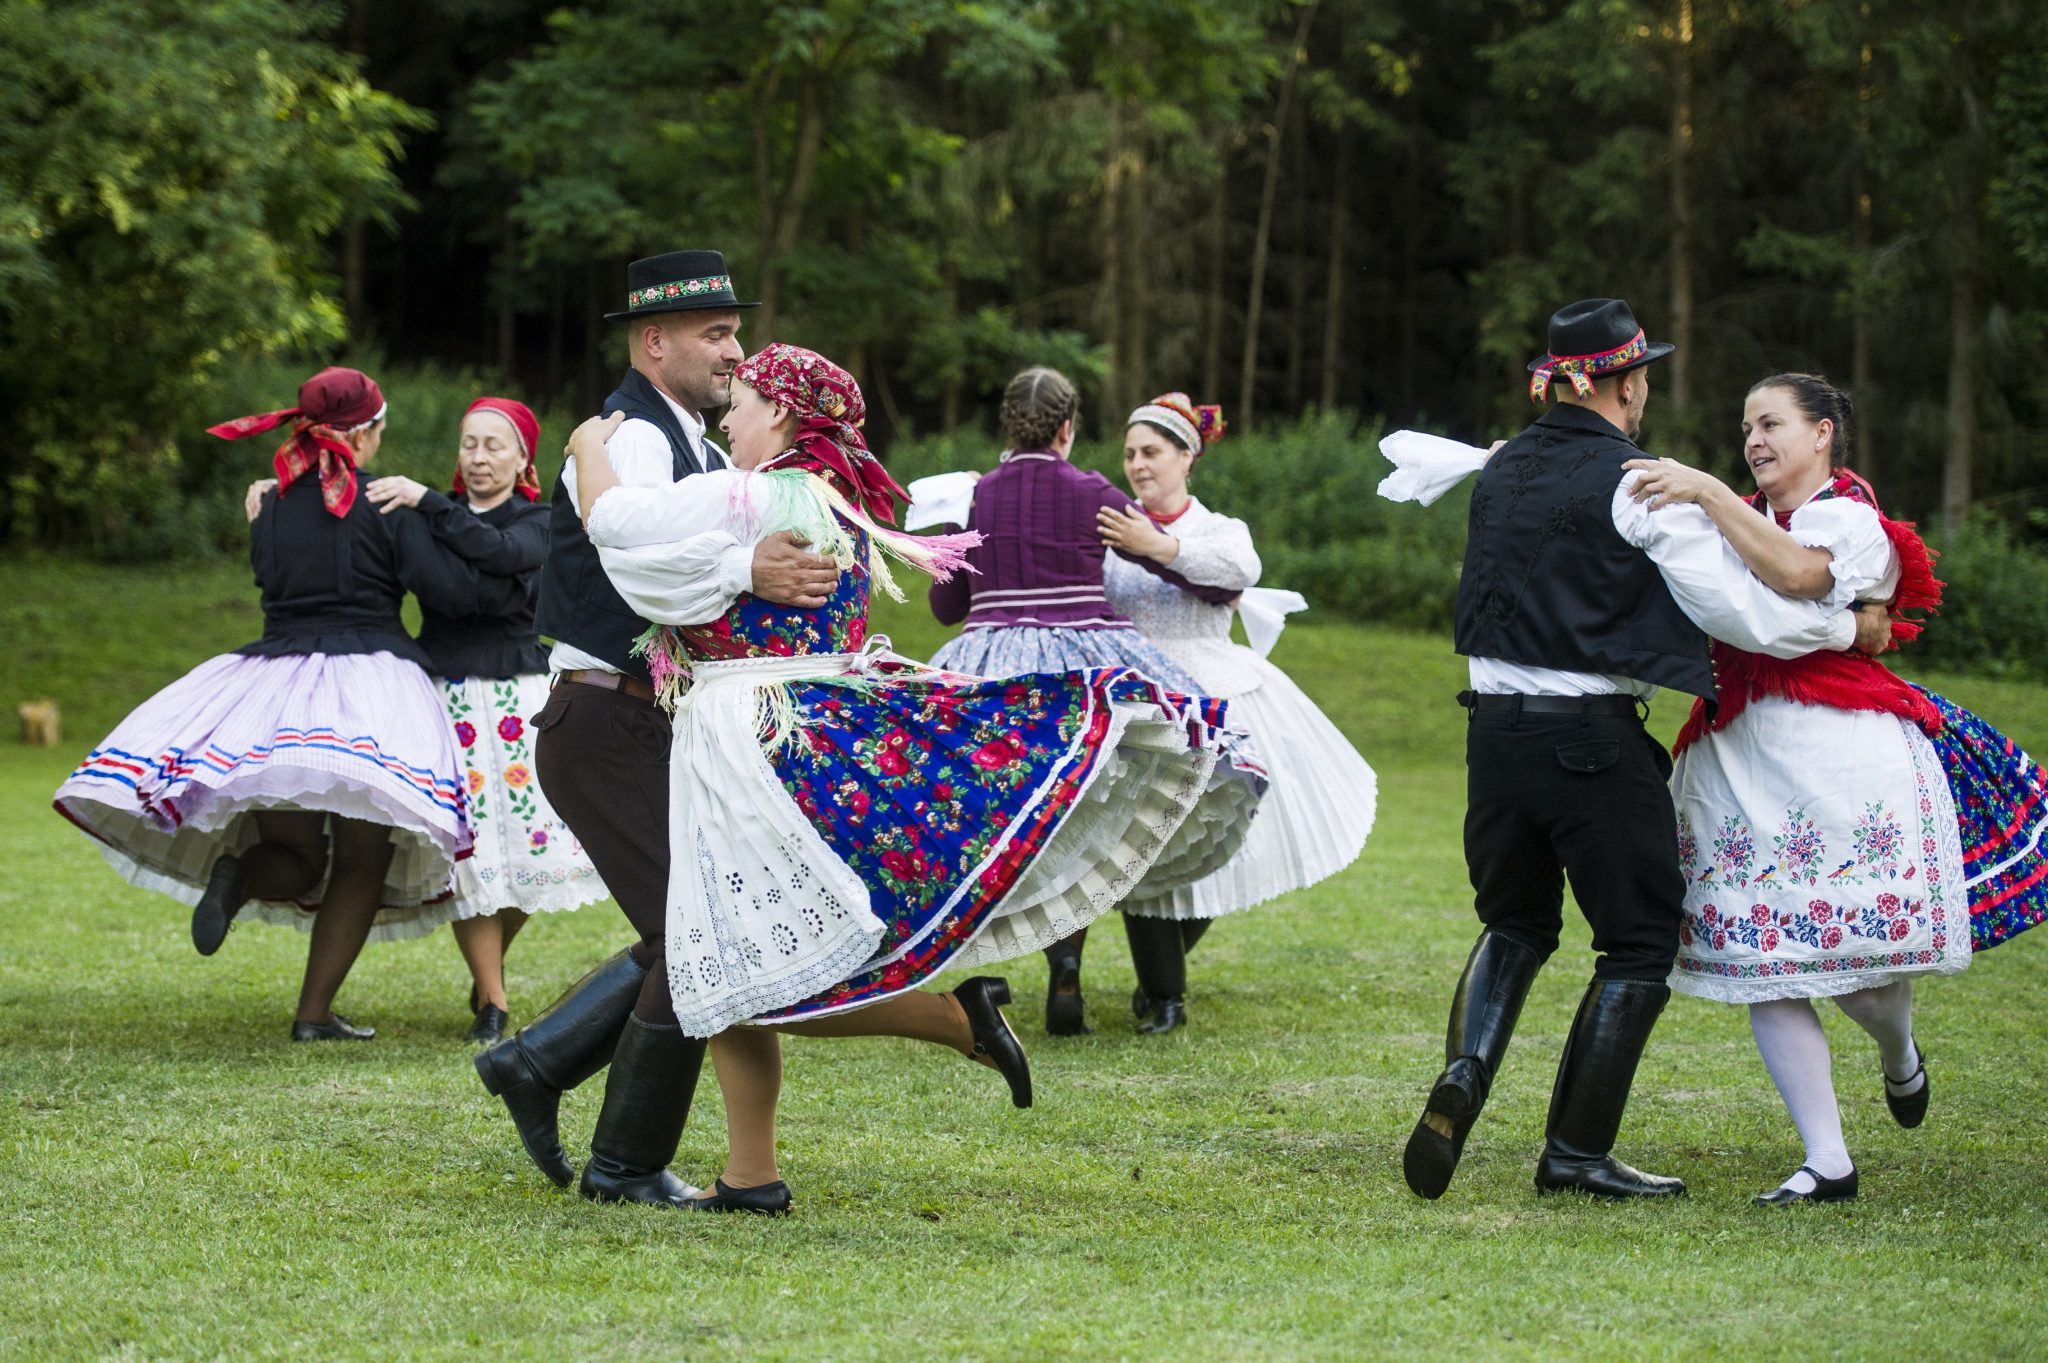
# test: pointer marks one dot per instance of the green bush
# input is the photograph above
(1994, 615)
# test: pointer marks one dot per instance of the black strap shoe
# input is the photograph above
(1593, 1079)
(982, 998)
(1483, 1015)
(1910, 1110)
(646, 1103)
(489, 1027)
(571, 1040)
(1066, 1013)
(766, 1199)
(1167, 1014)
(1824, 1190)
(218, 905)
(336, 1028)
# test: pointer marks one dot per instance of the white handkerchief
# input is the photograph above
(1264, 611)
(941, 499)
(1426, 466)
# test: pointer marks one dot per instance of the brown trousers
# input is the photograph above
(603, 763)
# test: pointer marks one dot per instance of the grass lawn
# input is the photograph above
(181, 1182)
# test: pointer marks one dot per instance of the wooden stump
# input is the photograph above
(41, 726)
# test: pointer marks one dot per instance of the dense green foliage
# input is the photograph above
(184, 1183)
(1344, 205)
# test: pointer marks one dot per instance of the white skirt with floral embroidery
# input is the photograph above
(526, 858)
(1821, 856)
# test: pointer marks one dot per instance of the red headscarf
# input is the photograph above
(829, 411)
(332, 403)
(527, 426)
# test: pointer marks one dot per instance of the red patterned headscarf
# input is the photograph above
(332, 404)
(527, 426)
(829, 411)
(1196, 428)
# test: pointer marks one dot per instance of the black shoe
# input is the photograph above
(1483, 1014)
(489, 1028)
(646, 1103)
(1824, 1190)
(766, 1199)
(1141, 1002)
(1065, 1012)
(337, 1028)
(1167, 1014)
(1593, 1078)
(982, 998)
(218, 906)
(1910, 1110)
(559, 1049)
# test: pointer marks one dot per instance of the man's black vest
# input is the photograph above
(1548, 580)
(578, 604)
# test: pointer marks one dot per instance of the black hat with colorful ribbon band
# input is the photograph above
(680, 281)
(1594, 339)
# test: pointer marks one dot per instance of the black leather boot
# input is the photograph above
(1593, 1080)
(559, 1049)
(1483, 1014)
(1065, 1012)
(1162, 966)
(646, 1102)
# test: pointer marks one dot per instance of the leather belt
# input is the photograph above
(1617, 704)
(608, 681)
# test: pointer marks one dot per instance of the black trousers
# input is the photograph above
(1582, 796)
(603, 764)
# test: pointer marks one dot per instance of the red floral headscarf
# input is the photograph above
(527, 426)
(829, 411)
(333, 403)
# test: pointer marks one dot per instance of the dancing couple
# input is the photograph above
(802, 826)
(1593, 575)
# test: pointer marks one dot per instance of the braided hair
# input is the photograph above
(1819, 401)
(1036, 404)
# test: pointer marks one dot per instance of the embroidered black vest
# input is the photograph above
(1549, 582)
(578, 604)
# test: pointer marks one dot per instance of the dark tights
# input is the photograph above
(286, 864)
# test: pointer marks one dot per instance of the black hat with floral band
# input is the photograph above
(1593, 339)
(680, 281)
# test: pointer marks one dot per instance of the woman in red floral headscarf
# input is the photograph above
(481, 548)
(312, 769)
(845, 823)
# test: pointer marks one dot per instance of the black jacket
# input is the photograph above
(1549, 582)
(330, 584)
(477, 576)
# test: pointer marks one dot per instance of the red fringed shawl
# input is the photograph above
(1846, 681)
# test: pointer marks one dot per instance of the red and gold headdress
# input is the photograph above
(829, 410)
(333, 403)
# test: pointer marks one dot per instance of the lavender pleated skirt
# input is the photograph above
(359, 735)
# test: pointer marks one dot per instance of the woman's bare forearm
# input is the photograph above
(1780, 562)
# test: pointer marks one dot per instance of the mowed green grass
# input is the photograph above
(181, 1182)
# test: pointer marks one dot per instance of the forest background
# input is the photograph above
(1332, 216)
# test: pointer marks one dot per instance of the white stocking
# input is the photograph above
(1795, 1051)
(1886, 1012)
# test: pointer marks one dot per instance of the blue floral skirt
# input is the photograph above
(843, 827)
(2001, 802)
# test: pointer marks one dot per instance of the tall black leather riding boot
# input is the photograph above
(1593, 1080)
(646, 1102)
(563, 1046)
(1066, 1013)
(1162, 964)
(1483, 1014)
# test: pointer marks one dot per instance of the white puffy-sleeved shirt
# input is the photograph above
(641, 457)
(653, 543)
(1215, 551)
(1717, 592)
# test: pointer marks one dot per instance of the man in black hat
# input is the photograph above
(1577, 603)
(602, 748)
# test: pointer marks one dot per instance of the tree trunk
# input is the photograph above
(1680, 366)
(1333, 278)
(1297, 267)
(1962, 398)
(1248, 371)
(1135, 295)
(508, 300)
(1212, 310)
(1863, 447)
(1411, 257)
